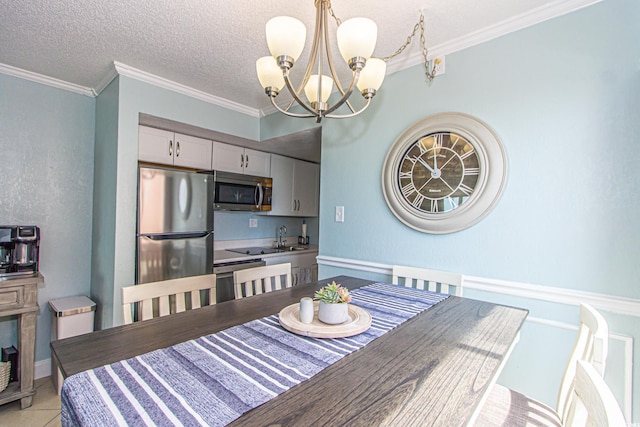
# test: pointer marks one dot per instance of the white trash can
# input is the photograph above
(71, 316)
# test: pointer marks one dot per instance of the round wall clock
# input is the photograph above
(444, 173)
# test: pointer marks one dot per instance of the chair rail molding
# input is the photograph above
(611, 303)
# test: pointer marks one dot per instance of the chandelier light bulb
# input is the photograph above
(372, 74)
(269, 74)
(311, 88)
(285, 36)
(357, 38)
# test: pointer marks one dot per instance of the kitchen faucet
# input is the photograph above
(280, 243)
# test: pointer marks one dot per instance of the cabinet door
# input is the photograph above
(306, 180)
(282, 193)
(192, 152)
(257, 163)
(228, 158)
(155, 145)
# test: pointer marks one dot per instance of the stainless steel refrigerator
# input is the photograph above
(175, 224)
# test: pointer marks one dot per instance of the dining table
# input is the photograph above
(435, 368)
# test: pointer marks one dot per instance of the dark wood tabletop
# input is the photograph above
(432, 370)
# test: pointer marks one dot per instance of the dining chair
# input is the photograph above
(258, 280)
(593, 404)
(508, 407)
(431, 280)
(156, 299)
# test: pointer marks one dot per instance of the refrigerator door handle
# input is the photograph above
(175, 236)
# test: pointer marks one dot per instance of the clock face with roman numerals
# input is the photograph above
(444, 173)
(438, 172)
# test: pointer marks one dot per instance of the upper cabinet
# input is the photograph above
(296, 187)
(169, 148)
(230, 158)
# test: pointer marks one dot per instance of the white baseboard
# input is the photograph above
(43, 368)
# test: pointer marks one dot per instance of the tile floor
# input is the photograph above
(45, 411)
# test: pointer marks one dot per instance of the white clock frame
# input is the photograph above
(491, 182)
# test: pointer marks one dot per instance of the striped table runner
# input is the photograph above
(213, 380)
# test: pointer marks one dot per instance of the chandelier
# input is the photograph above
(356, 39)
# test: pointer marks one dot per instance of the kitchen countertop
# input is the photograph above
(220, 256)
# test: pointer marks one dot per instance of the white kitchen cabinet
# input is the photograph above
(296, 187)
(304, 268)
(230, 158)
(169, 148)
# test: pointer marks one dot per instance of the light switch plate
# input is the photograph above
(339, 213)
(253, 222)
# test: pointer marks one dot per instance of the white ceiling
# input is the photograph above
(211, 45)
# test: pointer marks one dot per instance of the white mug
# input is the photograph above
(306, 310)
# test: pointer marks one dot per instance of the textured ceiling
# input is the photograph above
(212, 45)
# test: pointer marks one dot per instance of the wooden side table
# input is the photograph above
(19, 297)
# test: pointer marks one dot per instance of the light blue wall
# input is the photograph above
(119, 226)
(564, 96)
(235, 226)
(46, 153)
(568, 118)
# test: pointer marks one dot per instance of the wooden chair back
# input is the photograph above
(168, 297)
(431, 280)
(258, 280)
(591, 346)
(593, 404)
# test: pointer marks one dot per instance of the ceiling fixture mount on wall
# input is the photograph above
(356, 40)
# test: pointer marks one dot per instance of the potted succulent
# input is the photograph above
(333, 303)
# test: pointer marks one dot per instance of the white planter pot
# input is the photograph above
(333, 314)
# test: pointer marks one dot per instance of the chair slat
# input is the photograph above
(258, 280)
(144, 294)
(428, 279)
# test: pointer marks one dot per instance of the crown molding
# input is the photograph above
(516, 23)
(45, 80)
(134, 73)
(533, 17)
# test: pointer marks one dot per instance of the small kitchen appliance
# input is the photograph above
(237, 192)
(19, 251)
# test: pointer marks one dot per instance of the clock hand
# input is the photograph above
(435, 159)
(425, 164)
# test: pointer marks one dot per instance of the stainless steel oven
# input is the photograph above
(224, 277)
(237, 192)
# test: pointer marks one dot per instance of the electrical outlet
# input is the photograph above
(253, 222)
(438, 66)
(339, 213)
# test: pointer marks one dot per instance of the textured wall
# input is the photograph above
(46, 153)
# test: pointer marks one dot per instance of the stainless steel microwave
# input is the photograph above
(238, 192)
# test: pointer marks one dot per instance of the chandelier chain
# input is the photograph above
(333, 15)
(429, 72)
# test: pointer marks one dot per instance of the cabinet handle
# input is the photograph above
(170, 148)
(177, 148)
(241, 160)
(246, 161)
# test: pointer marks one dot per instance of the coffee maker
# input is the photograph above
(19, 251)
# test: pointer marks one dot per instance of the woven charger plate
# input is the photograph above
(359, 321)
